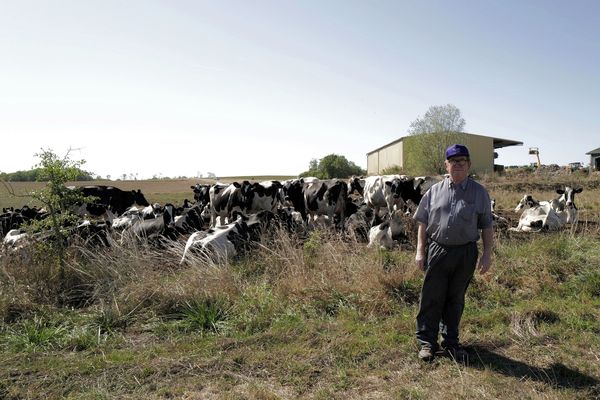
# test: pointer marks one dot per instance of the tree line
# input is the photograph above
(34, 175)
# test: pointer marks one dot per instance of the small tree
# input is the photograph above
(57, 198)
(438, 119)
(430, 136)
(332, 166)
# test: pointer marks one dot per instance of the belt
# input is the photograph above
(450, 246)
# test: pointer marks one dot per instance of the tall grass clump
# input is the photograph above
(47, 330)
(326, 273)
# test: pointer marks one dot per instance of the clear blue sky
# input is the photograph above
(262, 87)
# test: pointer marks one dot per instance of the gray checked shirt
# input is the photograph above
(454, 214)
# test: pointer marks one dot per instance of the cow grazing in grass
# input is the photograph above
(115, 199)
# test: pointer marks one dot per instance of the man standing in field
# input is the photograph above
(449, 217)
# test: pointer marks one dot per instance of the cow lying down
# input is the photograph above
(548, 215)
(389, 233)
(538, 216)
(227, 241)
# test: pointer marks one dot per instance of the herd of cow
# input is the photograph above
(224, 219)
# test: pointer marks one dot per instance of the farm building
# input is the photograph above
(595, 159)
(481, 149)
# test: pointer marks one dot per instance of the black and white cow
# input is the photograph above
(389, 233)
(14, 218)
(201, 194)
(326, 198)
(163, 226)
(127, 219)
(224, 200)
(91, 233)
(356, 184)
(565, 204)
(358, 223)
(375, 192)
(14, 238)
(115, 199)
(538, 216)
(261, 196)
(407, 189)
(293, 195)
(188, 220)
(527, 202)
(226, 241)
(392, 192)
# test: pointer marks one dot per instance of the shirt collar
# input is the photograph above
(463, 184)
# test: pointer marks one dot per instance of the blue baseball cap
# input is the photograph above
(457, 150)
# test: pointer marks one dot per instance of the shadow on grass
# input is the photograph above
(558, 375)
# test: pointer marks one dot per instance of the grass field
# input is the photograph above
(321, 318)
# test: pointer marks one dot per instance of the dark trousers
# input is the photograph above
(448, 274)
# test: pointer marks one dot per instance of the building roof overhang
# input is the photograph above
(498, 142)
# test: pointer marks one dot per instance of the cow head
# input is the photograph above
(568, 196)
(293, 190)
(139, 198)
(414, 190)
(395, 187)
(337, 191)
(527, 201)
(201, 193)
(356, 184)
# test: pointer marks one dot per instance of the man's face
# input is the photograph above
(458, 167)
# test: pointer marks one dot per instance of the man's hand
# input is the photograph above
(420, 260)
(485, 263)
(421, 243)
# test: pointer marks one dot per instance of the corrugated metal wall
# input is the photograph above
(385, 158)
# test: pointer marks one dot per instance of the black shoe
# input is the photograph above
(426, 354)
(457, 353)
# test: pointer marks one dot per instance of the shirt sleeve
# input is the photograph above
(422, 213)
(484, 218)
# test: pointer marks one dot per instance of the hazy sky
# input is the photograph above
(262, 87)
